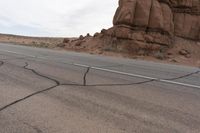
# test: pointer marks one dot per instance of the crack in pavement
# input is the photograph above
(184, 76)
(57, 83)
(180, 77)
(38, 74)
(127, 84)
(33, 127)
(1, 63)
(26, 97)
(85, 76)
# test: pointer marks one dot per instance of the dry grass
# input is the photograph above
(45, 42)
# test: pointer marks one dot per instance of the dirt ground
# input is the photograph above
(184, 52)
(45, 42)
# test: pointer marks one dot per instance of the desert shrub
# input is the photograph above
(66, 40)
(61, 45)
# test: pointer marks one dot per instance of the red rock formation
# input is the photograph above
(149, 28)
(156, 21)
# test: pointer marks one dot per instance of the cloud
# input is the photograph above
(55, 17)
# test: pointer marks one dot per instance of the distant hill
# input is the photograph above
(46, 42)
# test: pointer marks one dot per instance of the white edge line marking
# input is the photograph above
(18, 53)
(113, 71)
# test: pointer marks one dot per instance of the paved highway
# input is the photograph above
(50, 91)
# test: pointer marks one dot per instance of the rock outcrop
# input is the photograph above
(162, 29)
(156, 21)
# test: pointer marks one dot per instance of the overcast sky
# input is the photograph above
(55, 17)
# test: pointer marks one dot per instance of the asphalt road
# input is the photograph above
(49, 91)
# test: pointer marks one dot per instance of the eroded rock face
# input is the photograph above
(157, 21)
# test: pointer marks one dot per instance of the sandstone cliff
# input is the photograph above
(157, 21)
(162, 29)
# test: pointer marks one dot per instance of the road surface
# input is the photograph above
(49, 91)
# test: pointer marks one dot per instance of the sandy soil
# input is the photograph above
(46, 42)
(183, 53)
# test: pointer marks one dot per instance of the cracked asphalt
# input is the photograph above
(51, 96)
